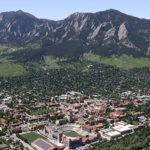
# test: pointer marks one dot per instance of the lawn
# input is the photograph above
(72, 134)
(30, 137)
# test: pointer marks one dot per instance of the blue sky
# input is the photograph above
(60, 9)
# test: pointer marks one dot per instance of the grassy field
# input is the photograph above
(5, 49)
(80, 66)
(72, 134)
(51, 62)
(124, 62)
(9, 69)
(31, 137)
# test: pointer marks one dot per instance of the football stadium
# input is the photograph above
(74, 131)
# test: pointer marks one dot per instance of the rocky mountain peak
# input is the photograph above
(104, 30)
(20, 11)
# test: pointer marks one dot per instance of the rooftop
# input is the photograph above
(121, 128)
(113, 133)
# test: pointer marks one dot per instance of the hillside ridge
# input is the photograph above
(105, 33)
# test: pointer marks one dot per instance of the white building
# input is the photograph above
(109, 134)
(119, 129)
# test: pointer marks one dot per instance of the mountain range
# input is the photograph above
(104, 33)
(108, 37)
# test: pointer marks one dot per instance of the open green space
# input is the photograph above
(30, 137)
(77, 65)
(9, 69)
(41, 112)
(2, 47)
(58, 63)
(124, 61)
(6, 49)
(72, 134)
(4, 148)
(52, 62)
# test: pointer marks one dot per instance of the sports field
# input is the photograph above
(30, 137)
(72, 134)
